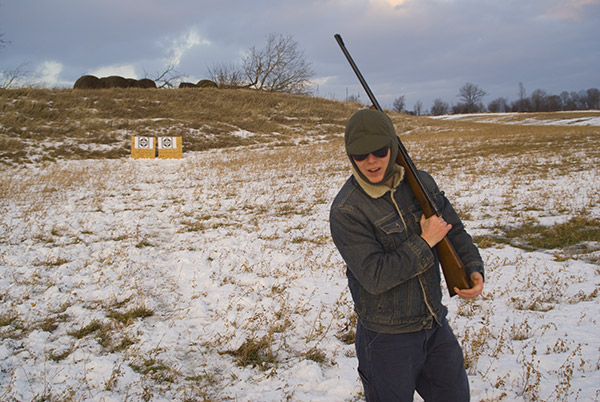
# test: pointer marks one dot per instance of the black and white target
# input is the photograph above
(167, 143)
(144, 143)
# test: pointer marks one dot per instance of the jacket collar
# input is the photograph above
(379, 190)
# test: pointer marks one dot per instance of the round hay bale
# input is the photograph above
(87, 82)
(187, 85)
(146, 83)
(114, 81)
(207, 84)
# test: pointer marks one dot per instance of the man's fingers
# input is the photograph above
(469, 294)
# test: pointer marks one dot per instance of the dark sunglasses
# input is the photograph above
(380, 153)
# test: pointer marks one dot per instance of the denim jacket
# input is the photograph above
(393, 274)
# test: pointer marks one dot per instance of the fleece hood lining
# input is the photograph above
(379, 190)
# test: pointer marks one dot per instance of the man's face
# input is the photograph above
(373, 167)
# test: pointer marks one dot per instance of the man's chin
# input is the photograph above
(376, 180)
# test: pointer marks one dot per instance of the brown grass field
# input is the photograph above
(214, 277)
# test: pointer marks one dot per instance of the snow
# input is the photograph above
(230, 246)
(243, 133)
(509, 118)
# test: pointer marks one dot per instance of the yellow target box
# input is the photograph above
(143, 147)
(170, 148)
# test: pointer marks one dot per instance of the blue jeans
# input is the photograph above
(393, 366)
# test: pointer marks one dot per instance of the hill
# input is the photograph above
(40, 124)
(48, 125)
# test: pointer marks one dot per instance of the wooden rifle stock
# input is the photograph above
(452, 266)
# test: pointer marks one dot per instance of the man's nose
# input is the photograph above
(371, 158)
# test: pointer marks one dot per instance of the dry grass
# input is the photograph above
(41, 124)
(280, 311)
(459, 145)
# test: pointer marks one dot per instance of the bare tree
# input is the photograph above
(471, 95)
(522, 96)
(439, 107)
(499, 105)
(226, 76)
(521, 106)
(399, 104)
(538, 100)
(279, 67)
(553, 103)
(578, 100)
(168, 78)
(593, 98)
(418, 108)
(11, 76)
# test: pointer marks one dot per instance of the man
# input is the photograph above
(403, 340)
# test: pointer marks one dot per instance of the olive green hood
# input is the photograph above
(367, 131)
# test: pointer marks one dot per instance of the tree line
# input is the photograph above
(471, 101)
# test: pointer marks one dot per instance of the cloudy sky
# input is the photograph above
(422, 49)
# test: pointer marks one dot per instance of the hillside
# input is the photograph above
(38, 124)
(214, 277)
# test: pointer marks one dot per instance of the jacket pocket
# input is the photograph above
(397, 306)
(392, 223)
(392, 231)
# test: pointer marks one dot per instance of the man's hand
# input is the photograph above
(475, 291)
(434, 229)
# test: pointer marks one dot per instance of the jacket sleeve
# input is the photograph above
(458, 236)
(375, 269)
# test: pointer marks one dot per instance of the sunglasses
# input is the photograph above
(380, 153)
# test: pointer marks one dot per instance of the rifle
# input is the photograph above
(452, 266)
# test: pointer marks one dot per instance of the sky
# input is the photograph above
(419, 49)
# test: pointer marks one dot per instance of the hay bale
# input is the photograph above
(114, 81)
(207, 84)
(187, 85)
(87, 82)
(146, 83)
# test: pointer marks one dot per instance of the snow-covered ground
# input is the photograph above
(129, 280)
(584, 118)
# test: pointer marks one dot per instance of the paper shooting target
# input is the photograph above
(170, 148)
(167, 143)
(144, 142)
(143, 147)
